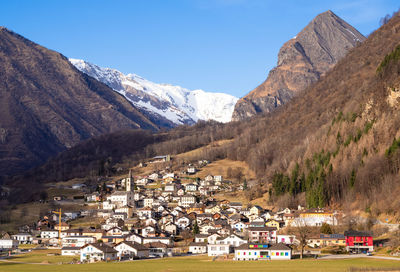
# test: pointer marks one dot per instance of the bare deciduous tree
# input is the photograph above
(302, 231)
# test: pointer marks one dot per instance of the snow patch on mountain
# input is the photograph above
(177, 104)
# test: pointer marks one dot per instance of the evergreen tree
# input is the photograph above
(326, 229)
(196, 229)
(352, 178)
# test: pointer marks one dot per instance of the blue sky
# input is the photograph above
(215, 45)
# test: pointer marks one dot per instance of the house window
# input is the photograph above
(286, 253)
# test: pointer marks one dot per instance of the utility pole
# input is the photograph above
(59, 226)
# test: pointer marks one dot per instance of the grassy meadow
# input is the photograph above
(187, 264)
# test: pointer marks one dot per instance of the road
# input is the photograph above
(352, 256)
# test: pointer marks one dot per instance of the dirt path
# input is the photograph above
(8, 261)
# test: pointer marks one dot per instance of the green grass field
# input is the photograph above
(188, 264)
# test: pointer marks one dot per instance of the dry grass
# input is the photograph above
(193, 154)
(200, 263)
(220, 168)
(85, 222)
(24, 214)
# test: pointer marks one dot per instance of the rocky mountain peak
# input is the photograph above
(301, 61)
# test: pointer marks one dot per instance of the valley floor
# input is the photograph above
(35, 261)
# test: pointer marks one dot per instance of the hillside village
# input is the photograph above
(169, 213)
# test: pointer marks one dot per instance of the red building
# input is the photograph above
(358, 241)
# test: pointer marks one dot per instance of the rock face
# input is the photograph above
(301, 62)
(165, 104)
(47, 105)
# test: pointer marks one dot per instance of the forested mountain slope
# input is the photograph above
(47, 105)
(335, 144)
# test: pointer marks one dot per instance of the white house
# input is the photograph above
(198, 248)
(187, 200)
(170, 228)
(285, 239)
(98, 252)
(191, 187)
(248, 252)
(154, 176)
(133, 237)
(232, 240)
(239, 226)
(130, 250)
(314, 221)
(163, 240)
(145, 213)
(169, 175)
(148, 230)
(218, 250)
(212, 239)
(71, 215)
(92, 197)
(158, 249)
(108, 205)
(49, 234)
(77, 241)
(170, 187)
(23, 238)
(182, 222)
(125, 209)
(8, 244)
(120, 215)
(122, 198)
(148, 202)
(209, 178)
(204, 229)
(218, 178)
(142, 181)
(280, 252)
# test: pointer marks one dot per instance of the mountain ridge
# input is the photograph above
(301, 62)
(47, 105)
(176, 104)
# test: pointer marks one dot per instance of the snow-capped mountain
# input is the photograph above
(176, 104)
